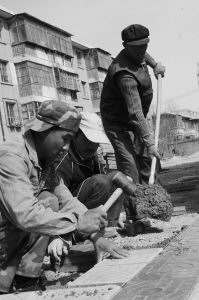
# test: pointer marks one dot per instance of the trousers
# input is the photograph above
(95, 191)
(132, 160)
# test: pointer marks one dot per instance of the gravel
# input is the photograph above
(158, 235)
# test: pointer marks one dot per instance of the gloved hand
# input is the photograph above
(159, 69)
(151, 151)
(105, 248)
(57, 247)
(92, 221)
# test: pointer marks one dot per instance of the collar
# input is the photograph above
(74, 154)
(30, 146)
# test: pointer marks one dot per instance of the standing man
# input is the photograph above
(126, 97)
(34, 202)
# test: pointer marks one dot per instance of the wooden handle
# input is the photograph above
(157, 127)
(112, 199)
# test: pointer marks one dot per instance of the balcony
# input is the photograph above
(66, 80)
(97, 59)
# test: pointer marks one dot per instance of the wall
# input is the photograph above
(181, 148)
(8, 90)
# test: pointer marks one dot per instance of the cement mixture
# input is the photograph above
(153, 201)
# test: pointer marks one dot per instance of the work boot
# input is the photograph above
(25, 284)
(137, 227)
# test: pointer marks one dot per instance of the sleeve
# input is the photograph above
(150, 61)
(21, 207)
(128, 87)
(96, 164)
(68, 203)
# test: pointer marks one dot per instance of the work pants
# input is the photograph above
(95, 191)
(22, 253)
(132, 160)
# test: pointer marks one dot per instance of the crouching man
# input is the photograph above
(34, 202)
(79, 167)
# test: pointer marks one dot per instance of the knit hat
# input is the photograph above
(91, 126)
(55, 113)
(135, 34)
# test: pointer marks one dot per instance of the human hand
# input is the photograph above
(159, 69)
(151, 150)
(92, 221)
(105, 248)
(121, 220)
(58, 247)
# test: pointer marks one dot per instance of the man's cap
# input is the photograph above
(55, 113)
(135, 34)
(91, 126)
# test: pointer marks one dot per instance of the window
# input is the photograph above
(12, 113)
(32, 73)
(3, 71)
(84, 89)
(66, 80)
(97, 59)
(73, 95)
(29, 110)
(79, 59)
(1, 29)
(18, 33)
(96, 89)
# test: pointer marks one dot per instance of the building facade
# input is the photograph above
(10, 115)
(39, 61)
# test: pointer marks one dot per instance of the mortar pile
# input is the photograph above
(153, 201)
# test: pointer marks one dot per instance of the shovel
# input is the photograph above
(157, 128)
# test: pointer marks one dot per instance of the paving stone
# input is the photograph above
(114, 271)
(171, 275)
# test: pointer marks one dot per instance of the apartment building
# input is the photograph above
(43, 58)
(10, 117)
(39, 61)
(79, 65)
(97, 63)
(91, 65)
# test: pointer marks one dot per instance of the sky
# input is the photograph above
(173, 26)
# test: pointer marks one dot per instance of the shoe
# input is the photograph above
(25, 284)
(137, 227)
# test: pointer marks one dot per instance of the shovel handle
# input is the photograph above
(157, 126)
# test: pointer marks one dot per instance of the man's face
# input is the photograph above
(136, 53)
(55, 140)
(83, 146)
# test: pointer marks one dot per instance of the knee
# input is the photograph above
(102, 183)
(49, 200)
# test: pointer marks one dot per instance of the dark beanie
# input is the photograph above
(134, 32)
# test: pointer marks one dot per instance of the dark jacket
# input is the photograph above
(114, 110)
(73, 170)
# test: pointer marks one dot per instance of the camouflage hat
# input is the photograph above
(55, 113)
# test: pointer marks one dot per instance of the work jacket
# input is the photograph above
(20, 210)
